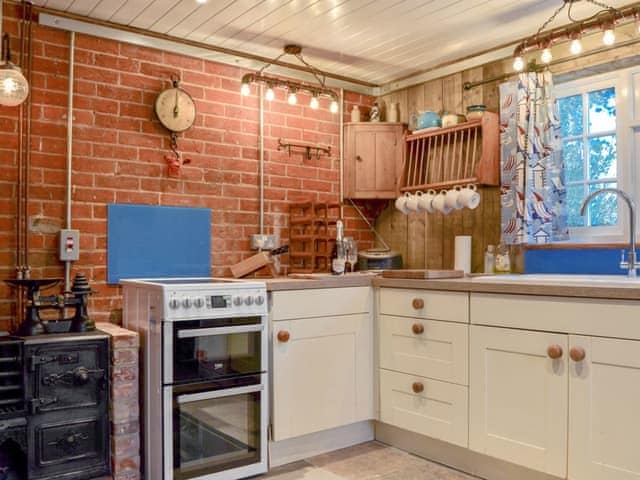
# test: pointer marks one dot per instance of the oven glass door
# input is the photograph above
(206, 349)
(215, 427)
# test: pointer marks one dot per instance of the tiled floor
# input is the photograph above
(368, 461)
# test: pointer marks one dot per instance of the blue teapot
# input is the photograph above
(426, 119)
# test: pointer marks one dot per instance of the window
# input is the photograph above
(588, 122)
(593, 119)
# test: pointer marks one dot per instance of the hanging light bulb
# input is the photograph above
(576, 46)
(314, 103)
(546, 56)
(14, 88)
(333, 107)
(270, 94)
(518, 64)
(608, 37)
(245, 89)
(292, 98)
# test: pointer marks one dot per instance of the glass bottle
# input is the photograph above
(338, 255)
(489, 259)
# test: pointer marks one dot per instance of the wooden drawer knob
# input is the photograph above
(417, 387)
(283, 336)
(417, 328)
(417, 303)
(358, 158)
(554, 351)
(577, 354)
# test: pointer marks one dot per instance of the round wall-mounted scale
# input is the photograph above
(175, 109)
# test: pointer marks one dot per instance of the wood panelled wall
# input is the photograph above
(427, 240)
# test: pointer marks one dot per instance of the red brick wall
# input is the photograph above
(119, 149)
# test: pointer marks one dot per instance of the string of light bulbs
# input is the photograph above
(293, 88)
(603, 20)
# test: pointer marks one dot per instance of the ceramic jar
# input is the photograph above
(355, 114)
(392, 113)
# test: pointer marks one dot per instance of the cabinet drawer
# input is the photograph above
(428, 348)
(438, 411)
(585, 316)
(321, 302)
(451, 306)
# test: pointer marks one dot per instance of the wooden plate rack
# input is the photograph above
(458, 155)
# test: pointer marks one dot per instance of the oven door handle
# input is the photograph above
(194, 397)
(206, 332)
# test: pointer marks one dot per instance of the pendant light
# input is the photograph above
(14, 88)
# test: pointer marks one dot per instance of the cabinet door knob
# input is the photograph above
(417, 303)
(554, 351)
(577, 354)
(358, 158)
(417, 328)
(417, 387)
(283, 336)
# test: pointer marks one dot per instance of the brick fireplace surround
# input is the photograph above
(124, 407)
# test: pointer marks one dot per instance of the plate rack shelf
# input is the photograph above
(458, 155)
(312, 233)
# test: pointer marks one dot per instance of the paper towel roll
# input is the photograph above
(462, 255)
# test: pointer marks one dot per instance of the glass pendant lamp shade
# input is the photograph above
(14, 88)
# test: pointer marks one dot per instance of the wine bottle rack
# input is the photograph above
(312, 234)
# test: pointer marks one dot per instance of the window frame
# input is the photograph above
(622, 81)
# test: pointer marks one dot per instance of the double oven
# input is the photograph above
(204, 356)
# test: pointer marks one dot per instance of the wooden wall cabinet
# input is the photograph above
(322, 360)
(373, 159)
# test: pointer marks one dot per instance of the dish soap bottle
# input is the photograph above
(502, 260)
(489, 259)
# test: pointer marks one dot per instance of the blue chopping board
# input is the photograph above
(145, 241)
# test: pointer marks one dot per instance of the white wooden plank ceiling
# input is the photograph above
(376, 41)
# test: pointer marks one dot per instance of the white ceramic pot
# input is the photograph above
(469, 197)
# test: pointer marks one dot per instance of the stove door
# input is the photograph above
(64, 446)
(215, 431)
(67, 375)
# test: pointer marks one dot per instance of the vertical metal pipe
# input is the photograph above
(27, 176)
(72, 43)
(261, 148)
(341, 143)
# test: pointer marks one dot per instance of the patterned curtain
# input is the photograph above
(533, 194)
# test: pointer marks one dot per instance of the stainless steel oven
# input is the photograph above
(205, 376)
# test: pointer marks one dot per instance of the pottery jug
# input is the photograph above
(392, 114)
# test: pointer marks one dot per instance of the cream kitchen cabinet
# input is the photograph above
(322, 360)
(373, 159)
(423, 345)
(575, 416)
(604, 408)
(518, 397)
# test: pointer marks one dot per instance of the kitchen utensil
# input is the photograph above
(425, 201)
(401, 202)
(450, 119)
(469, 197)
(379, 259)
(439, 204)
(452, 198)
(422, 274)
(475, 111)
(425, 119)
(411, 203)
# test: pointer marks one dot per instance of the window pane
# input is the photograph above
(602, 110)
(602, 157)
(570, 115)
(603, 210)
(573, 156)
(575, 196)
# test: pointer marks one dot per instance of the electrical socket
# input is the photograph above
(263, 242)
(69, 250)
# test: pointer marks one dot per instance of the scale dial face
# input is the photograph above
(175, 109)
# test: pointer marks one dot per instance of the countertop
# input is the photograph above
(580, 287)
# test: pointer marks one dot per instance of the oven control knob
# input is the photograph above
(198, 302)
(259, 299)
(248, 300)
(237, 301)
(186, 302)
(174, 303)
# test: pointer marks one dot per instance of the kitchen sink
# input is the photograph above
(560, 279)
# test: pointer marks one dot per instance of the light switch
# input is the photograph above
(69, 245)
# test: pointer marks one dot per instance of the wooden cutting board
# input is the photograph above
(422, 274)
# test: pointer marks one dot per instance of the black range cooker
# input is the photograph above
(54, 398)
